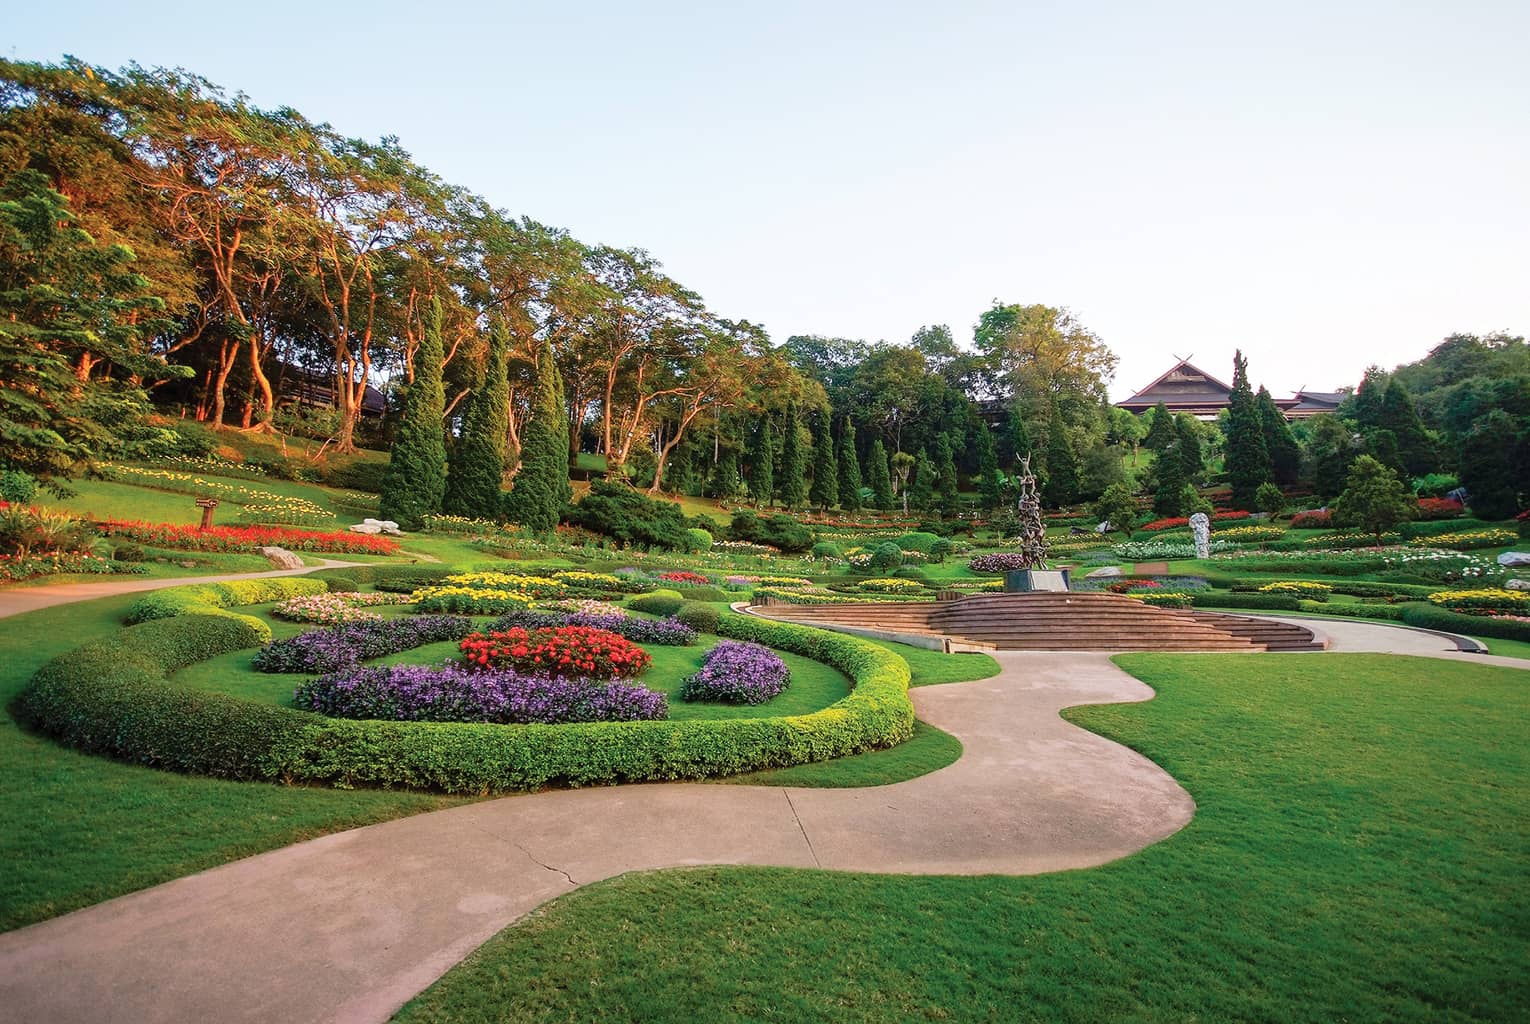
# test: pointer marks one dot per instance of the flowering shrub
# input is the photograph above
(462, 600)
(603, 581)
(583, 606)
(461, 525)
(531, 586)
(1488, 601)
(687, 578)
(1313, 519)
(1299, 589)
(1176, 521)
(333, 609)
(1438, 508)
(1002, 561)
(557, 651)
(738, 673)
(768, 581)
(891, 586)
(246, 538)
(347, 645)
(743, 547)
(1151, 550)
(1350, 539)
(1133, 586)
(1468, 540)
(670, 632)
(1250, 534)
(53, 563)
(1163, 600)
(453, 693)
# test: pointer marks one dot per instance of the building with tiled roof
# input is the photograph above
(1189, 389)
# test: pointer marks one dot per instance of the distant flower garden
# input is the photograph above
(246, 538)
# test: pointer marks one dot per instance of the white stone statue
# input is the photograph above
(1201, 524)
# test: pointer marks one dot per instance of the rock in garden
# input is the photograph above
(1104, 570)
(379, 526)
(280, 557)
(1517, 585)
(367, 527)
(1514, 558)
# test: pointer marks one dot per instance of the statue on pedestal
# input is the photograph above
(1033, 531)
(1201, 525)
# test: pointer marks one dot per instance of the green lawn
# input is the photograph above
(1358, 853)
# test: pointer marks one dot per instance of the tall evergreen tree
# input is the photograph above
(1374, 499)
(922, 490)
(1368, 398)
(1020, 443)
(762, 465)
(794, 461)
(1415, 448)
(1188, 446)
(1170, 482)
(725, 484)
(1330, 451)
(1489, 469)
(415, 480)
(849, 471)
(879, 477)
(1285, 454)
(825, 491)
(476, 467)
(947, 489)
(1061, 487)
(990, 487)
(541, 489)
(1247, 461)
(1162, 430)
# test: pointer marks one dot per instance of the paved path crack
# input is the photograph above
(803, 828)
(543, 864)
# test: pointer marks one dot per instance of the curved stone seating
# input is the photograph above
(1047, 621)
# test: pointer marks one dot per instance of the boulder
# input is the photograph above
(1517, 585)
(280, 557)
(1514, 558)
(1103, 571)
(387, 526)
(366, 528)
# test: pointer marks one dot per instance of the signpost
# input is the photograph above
(206, 505)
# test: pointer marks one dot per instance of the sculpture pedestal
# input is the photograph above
(1024, 581)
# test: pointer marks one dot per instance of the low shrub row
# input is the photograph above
(1265, 602)
(214, 598)
(1429, 617)
(112, 698)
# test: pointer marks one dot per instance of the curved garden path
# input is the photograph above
(15, 600)
(349, 926)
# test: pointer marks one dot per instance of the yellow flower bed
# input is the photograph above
(1298, 588)
(891, 586)
(462, 600)
(579, 578)
(1483, 601)
(536, 586)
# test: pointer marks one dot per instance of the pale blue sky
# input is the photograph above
(1325, 184)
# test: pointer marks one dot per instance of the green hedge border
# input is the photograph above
(112, 697)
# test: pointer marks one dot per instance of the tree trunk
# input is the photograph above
(226, 356)
(259, 381)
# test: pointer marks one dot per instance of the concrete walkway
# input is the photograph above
(350, 926)
(1350, 636)
(16, 600)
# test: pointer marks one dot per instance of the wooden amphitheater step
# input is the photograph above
(1275, 636)
(1052, 621)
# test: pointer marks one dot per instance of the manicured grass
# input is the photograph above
(76, 829)
(1358, 853)
(931, 668)
(929, 750)
(1507, 648)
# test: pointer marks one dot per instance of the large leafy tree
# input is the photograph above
(1330, 451)
(1248, 460)
(1492, 465)
(476, 467)
(66, 305)
(1374, 499)
(1061, 487)
(1041, 356)
(415, 481)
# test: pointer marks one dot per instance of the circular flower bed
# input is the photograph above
(1002, 561)
(333, 609)
(738, 673)
(557, 651)
(347, 645)
(456, 693)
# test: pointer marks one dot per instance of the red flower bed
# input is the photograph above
(689, 578)
(1316, 519)
(246, 538)
(1438, 508)
(582, 651)
(1173, 521)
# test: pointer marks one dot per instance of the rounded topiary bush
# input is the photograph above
(660, 602)
(827, 549)
(701, 617)
(698, 540)
(886, 556)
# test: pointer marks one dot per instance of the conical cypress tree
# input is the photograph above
(1248, 460)
(947, 490)
(476, 469)
(849, 471)
(794, 489)
(879, 477)
(541, 488)
(922, 493)
(1188, 446)
(990, 488)
(1161, 429)
(762, 470)
(416, 478)
(1285, 454)
(1414, 445)
(1169, 492)
(725, 484)
(1019, 438)
(825, 492)
(1062, 468)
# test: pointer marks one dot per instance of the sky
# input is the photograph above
(1325, 185)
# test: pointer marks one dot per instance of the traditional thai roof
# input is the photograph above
(1187, 388)
(1312, 403)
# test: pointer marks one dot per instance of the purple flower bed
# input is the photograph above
(346, 646)
(737, 673)
(1003, 561)
(669, 632)
(452, 693)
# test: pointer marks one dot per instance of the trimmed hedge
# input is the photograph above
(700, 617)
(213, 598)
(1429, 617)
(660, 602)
(111, 697)
(1266, 602)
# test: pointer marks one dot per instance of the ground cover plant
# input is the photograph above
(565, 651)
(1325, 876)
(737, 673)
